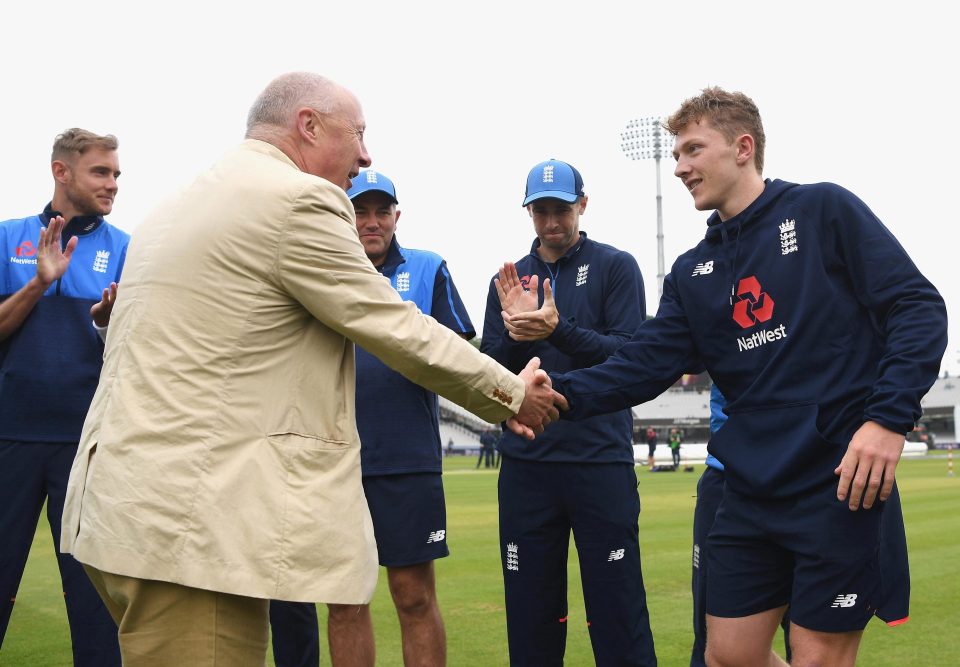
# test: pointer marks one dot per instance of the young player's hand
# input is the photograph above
(541, 404)
(869, 466)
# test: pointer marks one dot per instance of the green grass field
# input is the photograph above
(471, 594)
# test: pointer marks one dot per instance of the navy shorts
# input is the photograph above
(894, 564)
(812, 553)
(409, 517)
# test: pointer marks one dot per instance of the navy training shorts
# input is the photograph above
(409, 517)
(811, 552)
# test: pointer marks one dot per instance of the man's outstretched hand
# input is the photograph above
(541, 404)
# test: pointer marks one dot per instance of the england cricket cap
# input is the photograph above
(554, 179)
(370, 181)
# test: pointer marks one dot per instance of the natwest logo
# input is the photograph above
(754, 306)
(26, 249)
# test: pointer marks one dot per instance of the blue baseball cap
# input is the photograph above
(370, 181)
(555, 179)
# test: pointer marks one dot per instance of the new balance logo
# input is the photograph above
(403, 281)
(703, 268)
(437, 536)
(844, 600)
(582, 274)
(615, 555)
(101, 260)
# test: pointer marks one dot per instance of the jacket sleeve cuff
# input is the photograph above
(562, 332)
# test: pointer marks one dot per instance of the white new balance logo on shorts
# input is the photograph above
(436, 536)
(615, 555)
(844, 601)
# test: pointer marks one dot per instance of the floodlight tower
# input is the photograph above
(645, 138)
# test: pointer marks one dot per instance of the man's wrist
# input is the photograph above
(38, 284)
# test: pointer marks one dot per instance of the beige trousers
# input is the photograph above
(168, 625)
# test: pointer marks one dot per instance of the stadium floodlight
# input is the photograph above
(645, 138)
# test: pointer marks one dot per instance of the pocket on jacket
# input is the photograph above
(775, 452)
(323, 518)
(306, 442)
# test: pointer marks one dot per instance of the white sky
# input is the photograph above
(461, 99)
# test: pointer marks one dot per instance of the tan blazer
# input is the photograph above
(221, 449)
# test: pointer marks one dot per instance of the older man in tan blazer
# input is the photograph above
(219, 464)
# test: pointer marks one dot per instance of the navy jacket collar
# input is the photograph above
(772, 191)
(77, 226)
(394, 258)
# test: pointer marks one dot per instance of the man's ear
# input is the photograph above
(60, 169)
(309, 126)
(745, 148)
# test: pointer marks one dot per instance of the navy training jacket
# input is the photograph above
(398, 420)
(598, 291)
(810, 318)
(50, 366)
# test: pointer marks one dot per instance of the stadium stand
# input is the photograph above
(461, 426)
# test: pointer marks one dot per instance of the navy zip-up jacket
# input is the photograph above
(598, 291)
(50, 366)
(810, 318)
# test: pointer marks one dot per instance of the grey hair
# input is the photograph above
(281, 98)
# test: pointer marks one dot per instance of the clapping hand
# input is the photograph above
(514, 297)
(100, 312)
(536, 324)
(52, 259)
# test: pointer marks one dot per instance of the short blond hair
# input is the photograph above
(77, 141)
(731, 114)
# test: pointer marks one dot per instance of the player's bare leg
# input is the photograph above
(747, 640)
(350, 635)
(811, 647)
(414, 594)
